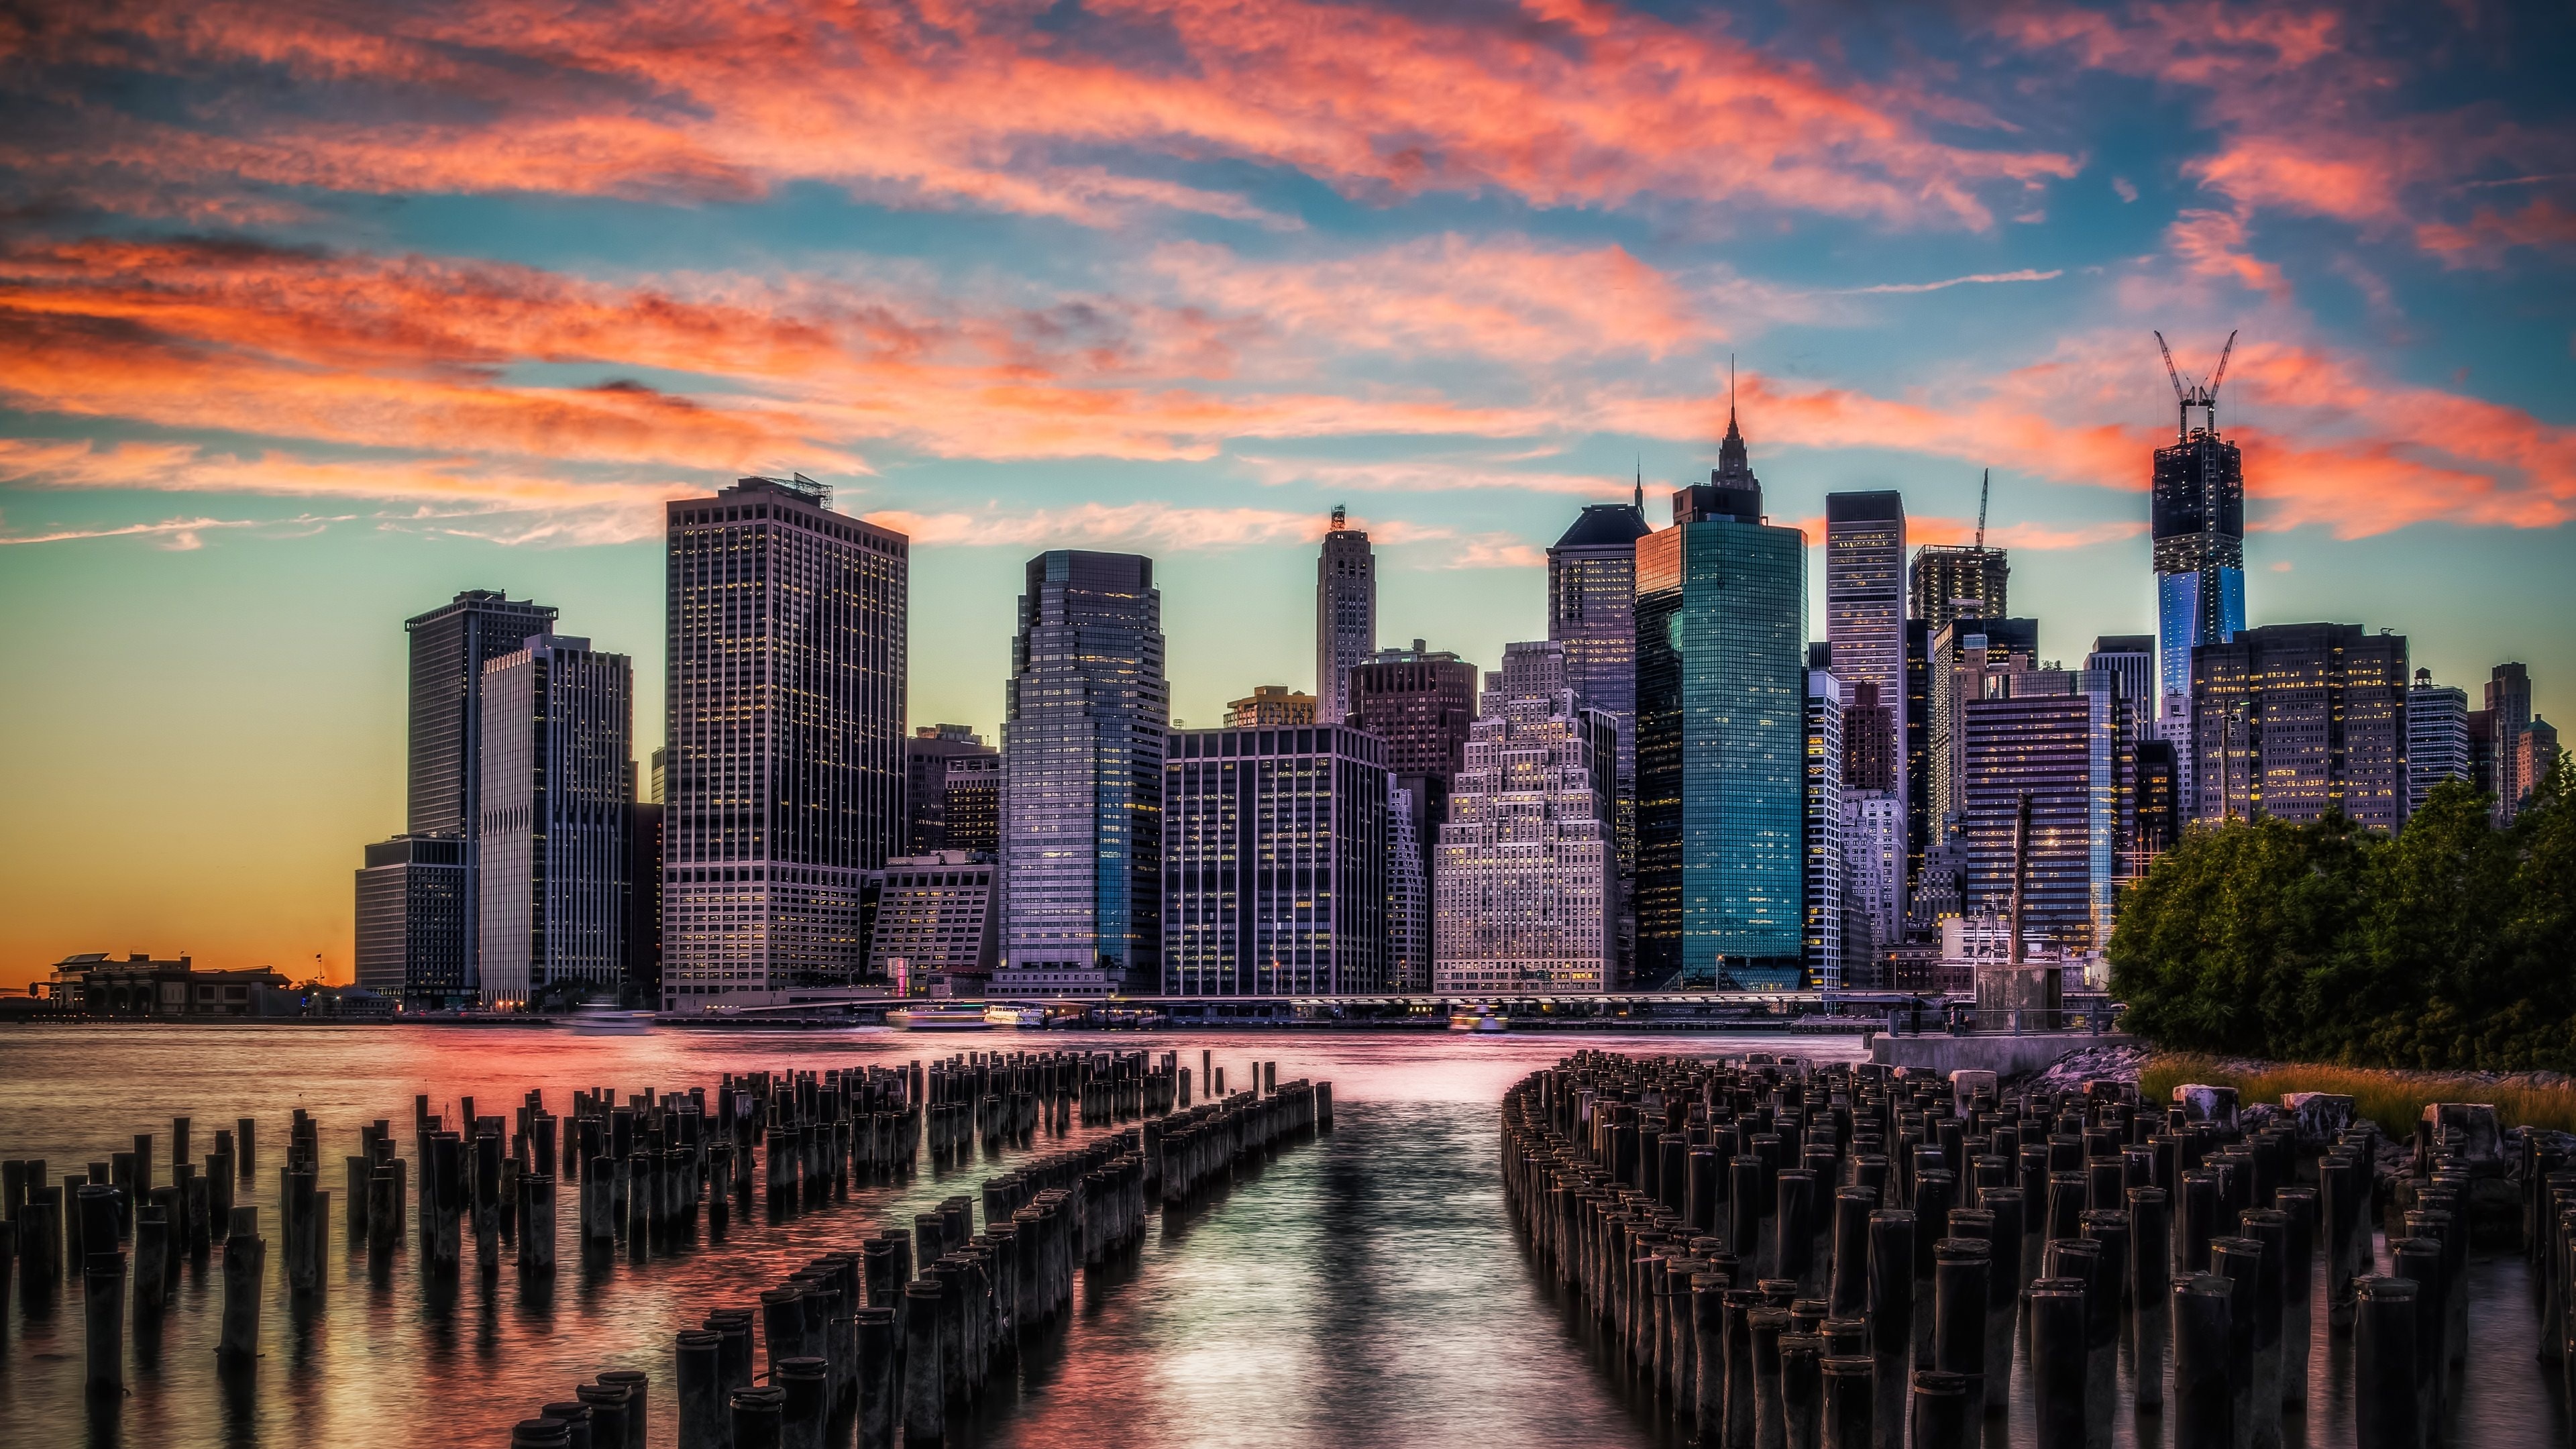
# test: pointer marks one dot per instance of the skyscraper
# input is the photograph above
(1958, 581)
(1275, 859)
(1082, 797)
(558, 772)
(1592, 611)
(2296, 720)
(2198, 518)
(1969, 656)
(925, 766)
(1345, 614)
(1822, 824)
(970, 805)
(1526, 888)
(449, 647)
(2131, 661)
(643, 978)
(1408, 893)
(784, 709)
(1873, 865)
(2508, 703)
(1865, 604)
(1721, 737)
(2063, 752)
(2437, 737)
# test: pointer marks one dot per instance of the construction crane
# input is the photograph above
(1983, 485)
(2204, 397)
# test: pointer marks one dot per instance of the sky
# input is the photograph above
(312, 314)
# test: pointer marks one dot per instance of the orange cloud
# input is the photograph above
(1564, 103)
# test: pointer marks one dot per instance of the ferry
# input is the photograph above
(945, 1016)
(1033, 1018)
(1483, 1020)
(593, 1018)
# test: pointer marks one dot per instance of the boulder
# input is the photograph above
(2467, 1131)
(2202, 1103)
(2317, 1115)
(1966, 1083)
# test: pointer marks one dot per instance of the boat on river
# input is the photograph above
(945, 1016)
(594, 1018)
(1004, 1013)
(1483, 1020)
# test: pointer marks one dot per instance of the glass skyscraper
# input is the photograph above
(1083, 738)
(558, 768)
(2198, 515)
(1721, 738)
(2437, 737)
(783, 775)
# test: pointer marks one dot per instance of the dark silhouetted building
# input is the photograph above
(925, 768)
(412, 896)
(1958, 581)
(1275, 859)
(2295, 721)
(971, 805)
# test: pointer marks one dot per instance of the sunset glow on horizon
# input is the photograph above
(316, 314)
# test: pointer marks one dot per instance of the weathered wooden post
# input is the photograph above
(245, 1262)
(2059, 1378)
(924, 1400)
(2204, 1392)
(1891, 1320)
(1850, 1402)
(804, 1413)
(698, 1374)
(2386, 1411)
(1960, 1274)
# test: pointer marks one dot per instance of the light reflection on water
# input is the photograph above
(1361, 1289)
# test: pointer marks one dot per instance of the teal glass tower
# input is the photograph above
(1721, 739)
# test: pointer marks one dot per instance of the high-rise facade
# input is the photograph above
(2198, 522)
(1969, 657)
(1408, 892)
(558, 776)
(1526, 892)
(2063, 752)
(926, 758)
(449, 647)
(1958, 581)
(2130, 660)
(1345, 615)
(784, 716)
(1873, 872)
(1083, 735)
(2437, 737)
(1865, 612)
(411, 920)
(2295, 721)
(2535, 754)
(1275, 860)
(1721, 738)
(1870, 747)
(2508, 705)
(970, 807)
(1822, 824)
(643, 981)
(1592, 611)
(934, 922)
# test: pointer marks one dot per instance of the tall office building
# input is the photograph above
(2155, 811)
(1915, 784)
(558, 782)
(2062, 751)
(411, 921)
(1592, 611)
(449, 647)
(2535, 754)
(2437, 737)
(926, 757)
(2508, 706)
(1271, 705)
(1865, 610)
(1421, 701)
(1082, 795)
(970, 805)
(1958, 581)
(1408, 893)
(784, 710)
(1873, 872)
(2296, 720)
(1345, 614)
(1275, 860)
(1969, 659)
(1822, 827)
(1721, 737)
(2198, 518)
(1526, 891)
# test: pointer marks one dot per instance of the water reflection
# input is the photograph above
(1361, 1289)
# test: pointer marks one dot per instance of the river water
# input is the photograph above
(1360, 1289)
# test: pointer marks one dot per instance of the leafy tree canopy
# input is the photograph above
(2450, 946)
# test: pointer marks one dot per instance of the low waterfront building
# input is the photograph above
(97, 984)
(414, 899)
(935, 923)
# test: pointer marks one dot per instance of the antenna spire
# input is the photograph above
(1641, 485)
(1984, 485)
(1341, 518)
(1730, 391)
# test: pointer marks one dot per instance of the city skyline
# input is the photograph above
(330, 328)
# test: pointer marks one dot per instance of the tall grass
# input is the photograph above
(2395, 1102)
